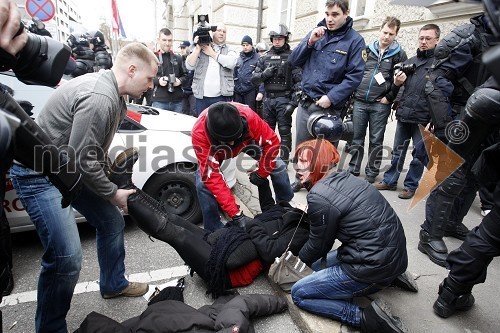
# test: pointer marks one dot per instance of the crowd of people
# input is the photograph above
(244, 103)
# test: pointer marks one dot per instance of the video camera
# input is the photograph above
(203, 30)
(407, 69)
(42, 60)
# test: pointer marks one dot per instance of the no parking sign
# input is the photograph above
(43, 9)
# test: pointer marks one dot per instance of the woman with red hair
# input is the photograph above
(373, 250)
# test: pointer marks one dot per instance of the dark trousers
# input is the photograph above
(247, 98)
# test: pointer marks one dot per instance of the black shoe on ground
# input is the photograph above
(10, 284)
(120, 172)
(377, 318)
(453, 296)
(406, 282)
(458, 232)
(352, 172)
(370, 179)
(434, 248)
(296, 186)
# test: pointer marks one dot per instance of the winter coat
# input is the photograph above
(210, 157)
(243, 72)
(332, 66)
(370, 90)
(227, 314)
(170, 64)
(413, 107)
(272, 230)
(343, 207)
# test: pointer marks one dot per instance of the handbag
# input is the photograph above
(288, 269)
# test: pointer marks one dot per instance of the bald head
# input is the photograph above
(135, 68)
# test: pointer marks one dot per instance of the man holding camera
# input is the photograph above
(213, 64)
(167, 91)
(374, 96)
(413, 110)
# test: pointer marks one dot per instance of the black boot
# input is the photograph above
(120, 172)
(377, 318)
(184, 237)
(285, 147)
(453, 296)
(433, 247)
(150, 217)
(457, 231)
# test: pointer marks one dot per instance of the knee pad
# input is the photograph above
(483, 105)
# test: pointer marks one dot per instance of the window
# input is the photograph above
(357, 8)
(286, 13)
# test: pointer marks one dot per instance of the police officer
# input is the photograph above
(98, 45)
(456, 71)
(468, 264)
(84, 56)
(280, 80)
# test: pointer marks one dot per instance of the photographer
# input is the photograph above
(412, 111)
(213, 64)
(167, 91)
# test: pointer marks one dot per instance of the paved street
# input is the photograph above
(156, 262)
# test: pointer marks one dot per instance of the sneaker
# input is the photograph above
(134, 289)
(406, 194)
(383, 186)
(296, 186)
(370, 179)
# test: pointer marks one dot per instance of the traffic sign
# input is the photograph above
(43, 9)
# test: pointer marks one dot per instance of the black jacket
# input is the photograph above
(170, 64)
(351, 210)
(271, 231)
(227, 314)
(369, 90)
(413, 106)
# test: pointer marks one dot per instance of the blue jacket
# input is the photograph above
(370, 90)
(243, 72)
(331, 67)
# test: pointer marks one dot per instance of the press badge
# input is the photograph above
(379, 78)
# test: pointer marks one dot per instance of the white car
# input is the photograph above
(166, 166)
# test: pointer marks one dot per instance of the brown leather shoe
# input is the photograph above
(383, 186)
(406, 194)
(134, 289)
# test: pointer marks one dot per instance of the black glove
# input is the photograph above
(68, 182)
(268, 72)
(256, 179)
(289, 108)
(241, 220)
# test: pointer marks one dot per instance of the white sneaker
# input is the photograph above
(485, 212)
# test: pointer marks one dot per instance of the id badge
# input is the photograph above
(379, 78)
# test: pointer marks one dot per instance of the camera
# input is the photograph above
(171, 80)
(41, 61)
(407, 69)
(203, 30)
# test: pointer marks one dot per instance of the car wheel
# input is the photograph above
(177, 191)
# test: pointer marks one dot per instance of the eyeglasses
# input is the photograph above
(427, 39)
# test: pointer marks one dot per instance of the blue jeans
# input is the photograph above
(170, 106)
(375, 116)
(210, 206)
(205, 102)
(404, 132)
(62, 257)
(328, 292)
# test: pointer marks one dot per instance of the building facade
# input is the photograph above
(256, 17)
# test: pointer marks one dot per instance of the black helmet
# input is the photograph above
(328, 127)
(78, 39)
(280, 30)
(97, 38)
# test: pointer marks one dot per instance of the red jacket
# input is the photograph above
(209, 160)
